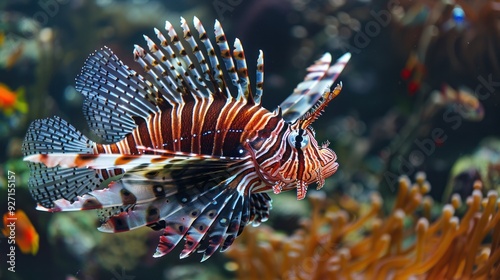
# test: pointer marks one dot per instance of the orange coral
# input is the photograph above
(400, 245)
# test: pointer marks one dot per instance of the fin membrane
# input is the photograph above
(115, 96)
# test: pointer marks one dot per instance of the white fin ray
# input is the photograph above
(208, 244)
(220, 39)
(184, 58)
(195, 49)
(217, 73)
(191, 67)
(241, 68)
(169, 82)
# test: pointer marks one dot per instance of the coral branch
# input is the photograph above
(400, 245)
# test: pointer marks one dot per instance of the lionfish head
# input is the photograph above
(307, 162)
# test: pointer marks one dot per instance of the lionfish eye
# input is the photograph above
(298, 138)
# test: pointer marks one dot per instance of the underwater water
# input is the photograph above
(420, 102)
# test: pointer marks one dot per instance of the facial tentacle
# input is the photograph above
(301, 189)
(321, 179)
(314, 114)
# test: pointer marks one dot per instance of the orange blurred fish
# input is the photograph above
(26, 237)
(12, 101)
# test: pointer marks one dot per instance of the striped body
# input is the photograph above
(180, 151)
(208, 127)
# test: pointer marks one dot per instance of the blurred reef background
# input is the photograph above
(421, 100)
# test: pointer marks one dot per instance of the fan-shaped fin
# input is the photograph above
(114, 95)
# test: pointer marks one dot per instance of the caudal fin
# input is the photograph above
(47, 184)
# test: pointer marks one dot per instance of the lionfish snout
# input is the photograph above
(304, 161)
(326, 167)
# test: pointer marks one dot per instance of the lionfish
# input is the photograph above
(181, 153)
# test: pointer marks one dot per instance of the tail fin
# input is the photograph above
(54, 135)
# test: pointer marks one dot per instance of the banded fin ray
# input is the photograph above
(228, 213)
(229, 222)
(320, 78)
(166, 82)
(115, 96)
(206, 224)
(259, 83)
(172, 78)
(175, 75)
(242, 70)
(200, 57)
(211, 214)
(172, 208)
(208, 233)
(216, 70)
(315, 73)
(55, 135)
(220, 39)
(260, 207)
(184, 55)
